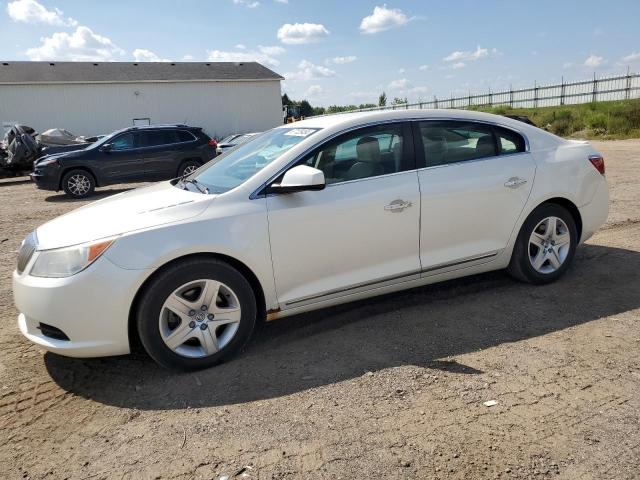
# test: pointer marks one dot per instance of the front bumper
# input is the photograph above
(46, 178)
(91, 308)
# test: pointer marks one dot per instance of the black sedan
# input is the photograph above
(135, 154)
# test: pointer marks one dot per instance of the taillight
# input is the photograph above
(598, 162)
(213, 143)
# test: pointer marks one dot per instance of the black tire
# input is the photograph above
(78, 183)
(521, 266)
(187, 165)
(172, 278)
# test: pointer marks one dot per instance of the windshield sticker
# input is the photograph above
(300, 132)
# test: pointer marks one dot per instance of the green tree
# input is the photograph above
(306, 110)
(286, 100)
(382, 100)
(399, 101)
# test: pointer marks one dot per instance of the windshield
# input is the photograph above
(227, 139)
(235, 166)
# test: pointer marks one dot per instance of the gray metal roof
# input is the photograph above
(117, 72)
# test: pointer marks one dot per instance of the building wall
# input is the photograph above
(220, 108)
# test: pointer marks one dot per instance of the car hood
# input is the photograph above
(137, 209)
(60, 155)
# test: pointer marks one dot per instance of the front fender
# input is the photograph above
(239, 231)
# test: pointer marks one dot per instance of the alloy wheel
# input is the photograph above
(79, 184)
(200, 318)
(549, 245)
(188, 170)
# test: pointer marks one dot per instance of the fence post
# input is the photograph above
(490, 98)
(510, 95)
(562, 91)
(435, 101)
(627, 93)
(595, 88)
(469, 102)
(535, 94)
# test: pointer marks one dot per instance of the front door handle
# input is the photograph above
(514, 182)
(397, 206)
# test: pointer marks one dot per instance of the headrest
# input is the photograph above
(368, 149)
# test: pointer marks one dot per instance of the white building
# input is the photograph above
(97, 98)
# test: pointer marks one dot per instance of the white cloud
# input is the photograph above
(241, 46)
(144, 55)
(479, 53)
(188, 58)
(593, 61)
(242, 56)
(282, 1)
(273, 51)
(314, 91)
(457, 65)
(301, 33)
(382, 19)
(399, 84)
(419, 90)
(567, 65)
(401, 71)
(309, 71)
(632, 57)
(30, 11)
(342, 60)
(423, 68)
(247, 3)
(81, 45)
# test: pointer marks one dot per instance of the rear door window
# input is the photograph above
(156, 138)
(446, 142)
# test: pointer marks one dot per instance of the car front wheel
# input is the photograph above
(195, 314)
(78, 183)
(545, 245)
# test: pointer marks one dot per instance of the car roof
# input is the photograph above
(343, 121)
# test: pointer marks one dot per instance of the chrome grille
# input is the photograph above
(26, 251)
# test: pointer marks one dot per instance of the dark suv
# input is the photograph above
(136, 154)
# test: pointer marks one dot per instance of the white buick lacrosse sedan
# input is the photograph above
(324, 211)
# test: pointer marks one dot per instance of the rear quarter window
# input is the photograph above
(509, 141)
(184, 136)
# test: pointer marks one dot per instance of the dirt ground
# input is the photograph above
(388, 388)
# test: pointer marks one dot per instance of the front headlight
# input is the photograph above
(64, 262)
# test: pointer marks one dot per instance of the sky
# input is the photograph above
(343, 51)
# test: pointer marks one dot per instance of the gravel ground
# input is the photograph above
(388, 388)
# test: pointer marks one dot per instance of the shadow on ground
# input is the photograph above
(416, 327)
(97, 195)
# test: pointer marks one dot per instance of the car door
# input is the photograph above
(476, 181)
(360, 232)
(161, 153)
(122, 161)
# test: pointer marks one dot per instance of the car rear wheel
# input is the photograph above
(78, 183)
(545, 245)
(188, 167)
(196, 314)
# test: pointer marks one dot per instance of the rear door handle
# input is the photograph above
(397, 206)
(514, 182)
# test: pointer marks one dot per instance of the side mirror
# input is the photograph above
(298, 179)
(106, 147)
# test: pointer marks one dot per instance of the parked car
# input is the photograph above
(233, 141)
(134, 154)
(325, 211)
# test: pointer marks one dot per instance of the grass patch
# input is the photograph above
(603, 120)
